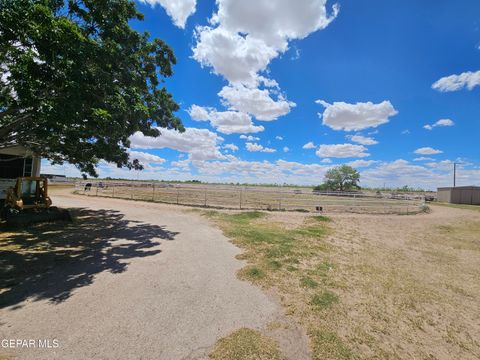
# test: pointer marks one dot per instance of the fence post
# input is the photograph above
(205, 197)
(113, 191)
(241, 195)
(131, 192)
(178, 194)
(153, 192)
(96, 192)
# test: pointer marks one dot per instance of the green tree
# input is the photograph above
(342, 178)
(77, 81)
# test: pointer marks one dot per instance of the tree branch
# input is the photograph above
(7, 129)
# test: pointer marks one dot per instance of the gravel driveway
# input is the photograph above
(173, 304)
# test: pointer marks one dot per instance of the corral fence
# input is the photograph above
(255, 198)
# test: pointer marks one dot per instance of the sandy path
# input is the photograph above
(173, 304)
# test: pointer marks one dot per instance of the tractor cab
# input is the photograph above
(29, 193)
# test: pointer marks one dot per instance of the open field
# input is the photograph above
(257, 198)
(365, 286)
(342, 286)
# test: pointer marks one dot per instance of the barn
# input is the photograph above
(459, 195)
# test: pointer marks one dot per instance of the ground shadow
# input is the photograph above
(48, 261)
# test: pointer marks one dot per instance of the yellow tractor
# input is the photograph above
(28, 202)
(29, 193)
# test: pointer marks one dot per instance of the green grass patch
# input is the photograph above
(308, 282)
(328, 345)
(246, 344)
(252, 273)
(274, 264)
(321, 218)
(324, 300)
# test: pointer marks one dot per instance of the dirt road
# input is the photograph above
(163, 288)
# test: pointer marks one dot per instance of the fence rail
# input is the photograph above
(255, 198)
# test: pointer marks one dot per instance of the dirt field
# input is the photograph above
(157, 280)
(384, 287)
(256, 197)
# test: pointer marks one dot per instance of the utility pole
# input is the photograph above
(455, 174)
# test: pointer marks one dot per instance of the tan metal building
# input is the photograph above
(459, 195)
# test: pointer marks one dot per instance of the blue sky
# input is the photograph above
(391, 87)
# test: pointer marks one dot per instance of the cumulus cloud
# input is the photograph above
(423, 158)
(441, 122)
(249, 138)
(364, 140)
(178, 10)
(226, 122)
(286, 149)
(231, 147)
(145, 158)
(354, 117)
(279, 138)
(256, 102)
(254, 147)
(427, 151)
(467, 80)
(361, 163)
(244, 36)
(342, 151)
(309, 145)
(200, 144)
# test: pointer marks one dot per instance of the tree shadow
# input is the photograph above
(49, 261)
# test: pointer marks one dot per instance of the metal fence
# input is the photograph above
(255, 198)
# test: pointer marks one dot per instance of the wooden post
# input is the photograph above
(205, 197)
(96, 193)
(241, 193)
(113, 191)
(153, 192)
(178, 194)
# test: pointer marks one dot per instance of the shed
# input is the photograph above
(16, 161)
(459, 195)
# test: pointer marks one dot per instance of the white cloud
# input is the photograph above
(467, 79)
(231, 147)
(254, 147)
(286, 149)
(226, 122)
(364, 140)
(359, 116)
(200, 144)
(280, 138)
(423, 158)
(256, 102)
(326, 161)
(309, 145)
(342, 151)
(145, 158)
(441, 122)
(427, 151)
(245, 36)
(361, 163)
(249, 138)
(406, 132)
(178, 10)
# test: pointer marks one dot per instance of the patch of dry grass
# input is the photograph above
(296, 262)
(370, 287)
(246, 344)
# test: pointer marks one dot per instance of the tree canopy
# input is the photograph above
(77, 81)
(341, 178)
